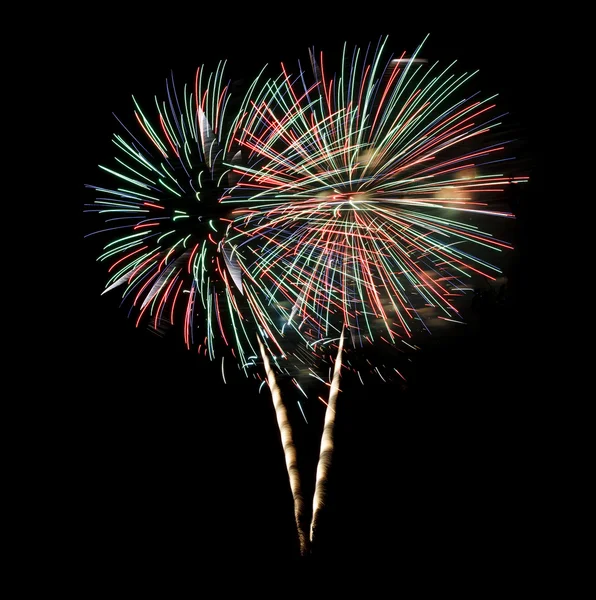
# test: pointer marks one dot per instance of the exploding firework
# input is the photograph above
(368, 198)
(363, 193)
(311, 218)
(166, 219)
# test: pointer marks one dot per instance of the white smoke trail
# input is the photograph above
(327, 443)
(289, 448)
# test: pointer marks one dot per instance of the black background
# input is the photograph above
(174, 465)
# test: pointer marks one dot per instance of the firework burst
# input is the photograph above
(311, 218)
(166, 217)
(362, 196)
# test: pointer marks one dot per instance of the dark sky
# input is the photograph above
(177, 463)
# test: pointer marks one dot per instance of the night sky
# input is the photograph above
(180, 467)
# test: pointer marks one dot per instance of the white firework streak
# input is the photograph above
(327, 442)
(289, 448)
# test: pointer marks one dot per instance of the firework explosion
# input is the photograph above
(344, 201)
(310, 218)
(362, 192)
(166, 218)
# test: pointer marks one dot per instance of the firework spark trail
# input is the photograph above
(285, 430)
(327, 442)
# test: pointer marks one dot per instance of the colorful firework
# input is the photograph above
(319, 208)
(166, 219)
(362, 196)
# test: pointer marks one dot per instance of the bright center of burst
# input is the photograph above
(347, 197)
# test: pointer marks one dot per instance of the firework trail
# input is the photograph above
(285, 429)
(327, 442)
